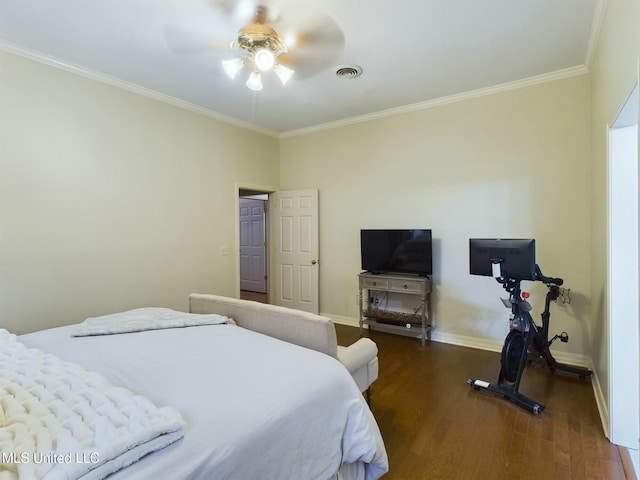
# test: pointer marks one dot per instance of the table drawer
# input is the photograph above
(404, 285)
(380, 283)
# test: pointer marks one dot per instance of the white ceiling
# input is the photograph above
(412, 52)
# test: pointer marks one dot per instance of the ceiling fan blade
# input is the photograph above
(307, 64)
(242, 12)
(319, 42)
(225, 6)
(187, 41)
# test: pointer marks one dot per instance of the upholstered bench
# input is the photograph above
(295, 326)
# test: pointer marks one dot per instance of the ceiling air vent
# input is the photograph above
(348, 71)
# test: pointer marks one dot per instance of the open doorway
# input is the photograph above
(623, 278)
(253, 250)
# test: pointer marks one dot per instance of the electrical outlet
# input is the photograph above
(224, 250)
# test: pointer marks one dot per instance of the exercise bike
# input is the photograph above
(526, 342)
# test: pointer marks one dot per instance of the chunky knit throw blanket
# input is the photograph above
(60, 421)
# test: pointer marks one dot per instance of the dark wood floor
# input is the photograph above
(255, 296)
(436, 427)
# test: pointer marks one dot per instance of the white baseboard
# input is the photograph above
(474, 342)
(495, 346)
(349, 321)
(464, 341)
(603, 410)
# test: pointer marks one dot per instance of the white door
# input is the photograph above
(252, 245)
(294, 232)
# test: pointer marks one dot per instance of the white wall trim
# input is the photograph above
(127, 86)
(146, 92)
(594, 34)
(601, 403)
(474, 342)
(349, 321)
(459, 97)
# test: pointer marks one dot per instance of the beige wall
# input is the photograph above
(105, 191)
(613, 72)
(110, 200)
(513, 164)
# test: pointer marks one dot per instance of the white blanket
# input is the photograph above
(60, 421)
(255, 407)
(142, 319)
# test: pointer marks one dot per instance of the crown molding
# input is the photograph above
(128, 86)
(594, 34)
(436, 102)
(146, 92)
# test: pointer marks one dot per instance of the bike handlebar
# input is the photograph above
(540, 277)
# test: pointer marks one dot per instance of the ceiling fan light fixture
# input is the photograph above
(259, 46)
(254, 82)
(233, 66)
(264, 59)
(284, 73)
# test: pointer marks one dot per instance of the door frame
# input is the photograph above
(253, 274)
(624, 380)
(257, 189)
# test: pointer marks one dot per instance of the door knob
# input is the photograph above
(313, 262)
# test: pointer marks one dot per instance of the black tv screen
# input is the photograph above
(516, 257)
(396, 251)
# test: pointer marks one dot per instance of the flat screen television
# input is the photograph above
(516, 257)
(396, 251)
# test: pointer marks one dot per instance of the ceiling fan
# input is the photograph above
(284, 39)
(258, 46)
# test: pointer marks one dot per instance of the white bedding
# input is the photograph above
(60, 421)
(141, 319)
(255, 407)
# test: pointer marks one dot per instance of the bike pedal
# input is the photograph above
(564, 337)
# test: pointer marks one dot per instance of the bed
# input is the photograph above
(240, 404)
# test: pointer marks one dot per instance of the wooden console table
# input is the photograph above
(395, 320)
